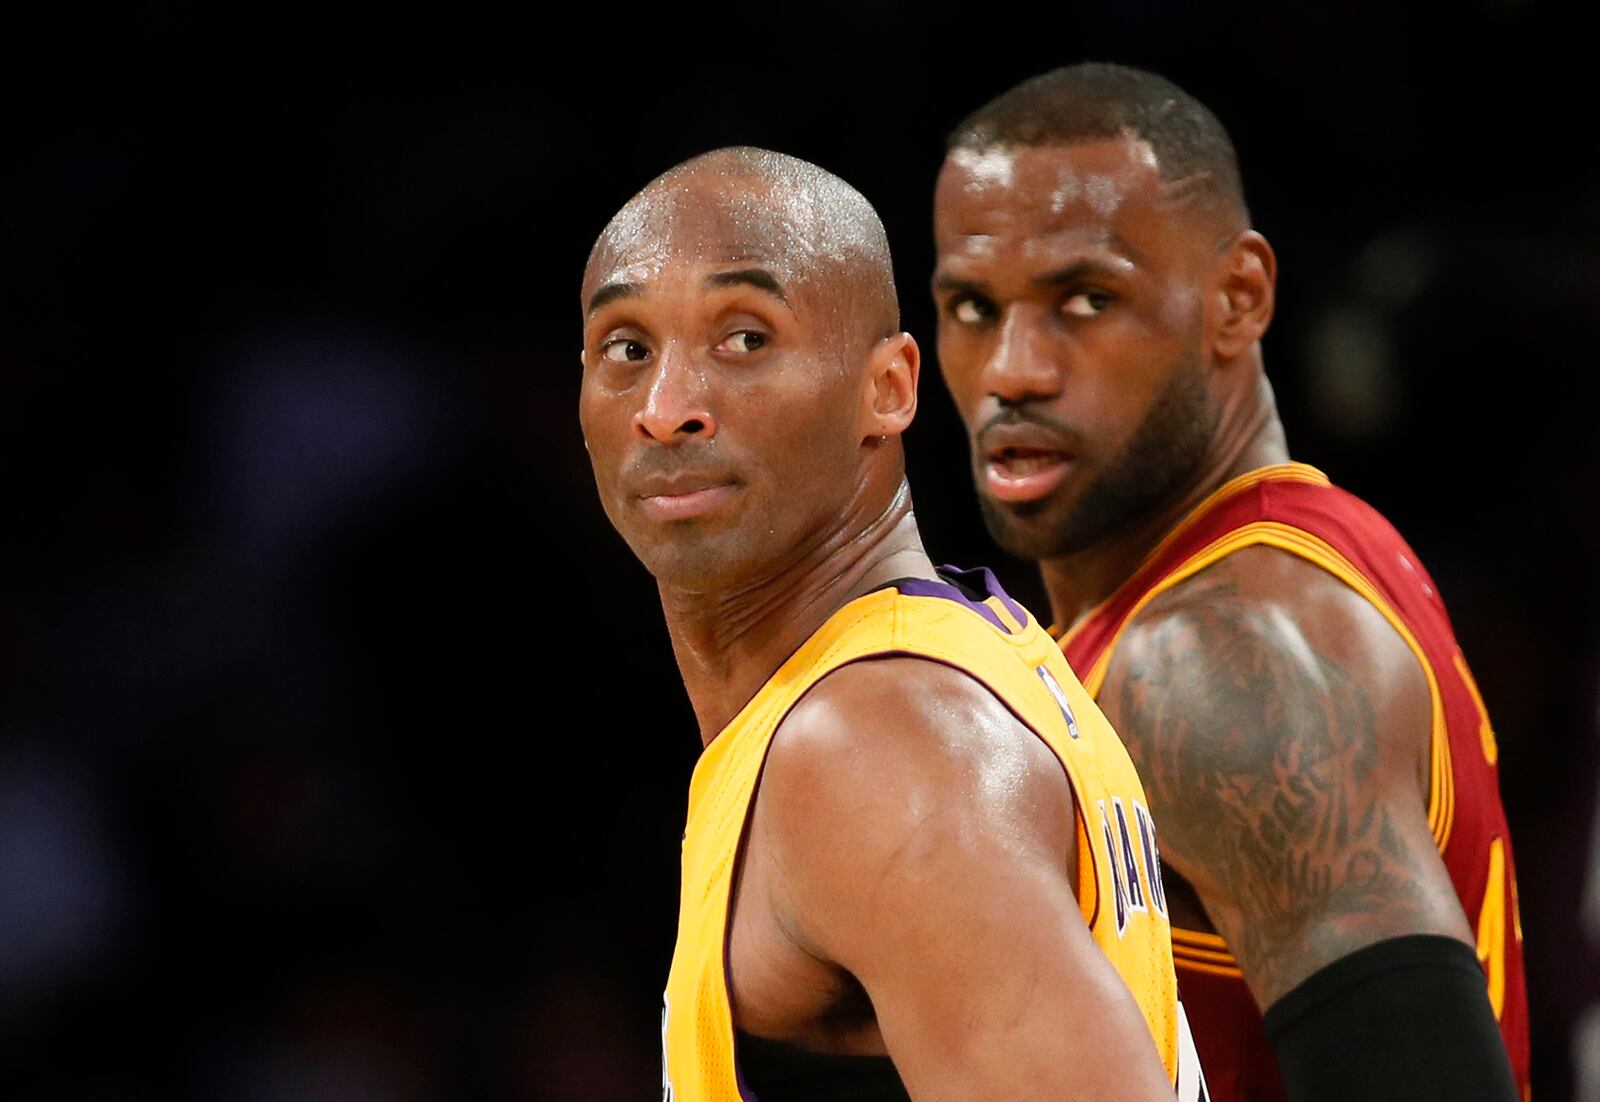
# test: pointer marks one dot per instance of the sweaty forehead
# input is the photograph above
(710, 219)
(1042, 189)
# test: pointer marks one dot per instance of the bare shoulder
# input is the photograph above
(1261, 603)
(1303, 598)
(1264, 627)
(911, 712)
(890, 770)
(1281, 726)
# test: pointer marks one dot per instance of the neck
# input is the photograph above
(728, 643)
(1249, 436)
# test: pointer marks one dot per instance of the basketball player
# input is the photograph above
(917, 860)
(1273, 653)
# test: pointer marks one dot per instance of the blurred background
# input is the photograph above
(342, 754)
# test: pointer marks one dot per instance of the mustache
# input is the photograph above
(682, 459)
(1012, 415)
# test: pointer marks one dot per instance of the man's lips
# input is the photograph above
(684, 499)
(1023, 459)
(1021, 473)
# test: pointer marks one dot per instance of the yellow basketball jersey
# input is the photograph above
(997, 643)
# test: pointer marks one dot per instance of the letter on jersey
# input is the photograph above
(1135, 888)
(1152, 858)
(1119, 886)
(1130, 859)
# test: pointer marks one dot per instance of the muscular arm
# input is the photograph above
(1281, 727)
(918, 838)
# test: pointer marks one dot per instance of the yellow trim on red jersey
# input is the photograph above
(1201, 956)
(1492, 928)
(1199, 941)
(1491, 751)
(1203, 952)
(1516, 911)
(1278, 472)
(1184, 964)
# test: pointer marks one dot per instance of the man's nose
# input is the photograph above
(676, 408)
(1020, 366)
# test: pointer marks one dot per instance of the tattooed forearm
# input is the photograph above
(1274, 791)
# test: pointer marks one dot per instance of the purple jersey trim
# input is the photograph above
(980, 579)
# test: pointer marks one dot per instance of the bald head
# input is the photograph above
(795, 225)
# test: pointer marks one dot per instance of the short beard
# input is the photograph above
(1161, 458)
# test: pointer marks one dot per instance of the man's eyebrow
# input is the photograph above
(944, 281)
(613, 291)
(759, 278)
(1080, 269)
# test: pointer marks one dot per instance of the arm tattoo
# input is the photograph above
(1263, 763)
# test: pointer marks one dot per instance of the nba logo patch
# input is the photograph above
(1061, 699)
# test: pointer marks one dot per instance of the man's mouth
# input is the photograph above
(1023, 473)
(685, 499)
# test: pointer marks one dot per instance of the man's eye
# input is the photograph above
(745, 340)
(1086, 304)
(972, 311)
(623, 350)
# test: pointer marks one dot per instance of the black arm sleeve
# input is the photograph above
(1407, 1018)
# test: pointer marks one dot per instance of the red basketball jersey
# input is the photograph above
(1295, 508)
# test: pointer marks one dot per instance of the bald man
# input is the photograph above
(918, 863)
(1280, 664)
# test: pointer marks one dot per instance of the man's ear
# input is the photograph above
(889, 393)
(1246, 291)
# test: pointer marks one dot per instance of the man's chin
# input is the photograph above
(1027, 530)
(698, 562)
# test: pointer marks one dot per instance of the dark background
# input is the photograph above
(342, 755)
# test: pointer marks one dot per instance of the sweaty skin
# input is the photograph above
(907, 882)
(1099, 332)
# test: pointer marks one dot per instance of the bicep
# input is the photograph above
(987, 983)
(1280, 765)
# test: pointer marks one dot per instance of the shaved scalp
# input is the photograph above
(1095, 101)
(743, 203)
